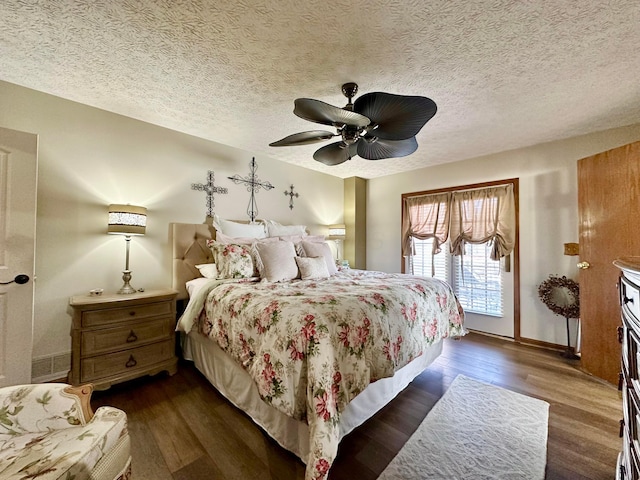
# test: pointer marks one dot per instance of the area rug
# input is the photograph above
(476, 431)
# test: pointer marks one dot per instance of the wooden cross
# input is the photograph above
(290, 194)
(210, 189)
(253, 184)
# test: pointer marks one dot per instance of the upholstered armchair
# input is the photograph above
(49, 432)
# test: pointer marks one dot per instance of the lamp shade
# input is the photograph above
(127, 219)
(337, 232)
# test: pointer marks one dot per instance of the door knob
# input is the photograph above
(583, 265)
(19, 279)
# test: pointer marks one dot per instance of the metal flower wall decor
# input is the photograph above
(561, 295)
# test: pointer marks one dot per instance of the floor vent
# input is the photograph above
(52, 368)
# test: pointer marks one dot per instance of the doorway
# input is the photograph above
(608, 211)
(18, 182)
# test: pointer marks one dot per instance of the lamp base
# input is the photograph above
(126, 288)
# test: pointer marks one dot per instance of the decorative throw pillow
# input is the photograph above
(312, 268)
(274, 229)
(296, 239)
(208, 270)
(222, 238)
(320, 249)
(235, 229)
(232, 260)
(276, 261)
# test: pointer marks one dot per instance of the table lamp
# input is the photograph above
(127, 220)
(337, 233)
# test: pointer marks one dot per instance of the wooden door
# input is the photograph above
(18, 174)
(609, 209)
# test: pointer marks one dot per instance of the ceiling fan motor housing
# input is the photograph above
(350, 134)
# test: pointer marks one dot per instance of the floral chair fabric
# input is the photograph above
(48, 432)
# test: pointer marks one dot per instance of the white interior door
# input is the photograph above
(18, 181)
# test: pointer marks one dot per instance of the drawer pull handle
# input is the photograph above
(131, 362)
(621, 427)
(132, 337)
(628, 300)
(132, 313)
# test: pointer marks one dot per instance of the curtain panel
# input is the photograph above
(467, 216)
(425, 216)
(481, 216)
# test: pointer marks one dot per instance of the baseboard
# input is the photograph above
(528, 341)
(50, 368)
(492, 335)
(547, 345)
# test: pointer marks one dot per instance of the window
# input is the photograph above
(422, 260)
(477, 225)
(474, 277)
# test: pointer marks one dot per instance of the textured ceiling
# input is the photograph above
(505, 74)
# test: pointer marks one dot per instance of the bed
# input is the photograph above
(308, 359)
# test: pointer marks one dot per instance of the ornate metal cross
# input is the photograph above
(253, 184)
(210, 189)
(290, 194)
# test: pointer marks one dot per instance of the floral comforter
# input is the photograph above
(312, 345)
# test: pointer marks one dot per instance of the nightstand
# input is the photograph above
(120, 337)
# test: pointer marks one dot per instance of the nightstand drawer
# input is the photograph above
(109, 316)
(114, 364)
(126, 336)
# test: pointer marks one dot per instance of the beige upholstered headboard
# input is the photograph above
(189, 247)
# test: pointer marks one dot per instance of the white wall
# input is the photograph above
(89, 158)
(548, 213)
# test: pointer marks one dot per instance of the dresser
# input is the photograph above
(120, 337)
(629, 334)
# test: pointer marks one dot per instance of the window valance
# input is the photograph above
(426, 216)
(466, 216)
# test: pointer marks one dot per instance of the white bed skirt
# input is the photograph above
(232, 381)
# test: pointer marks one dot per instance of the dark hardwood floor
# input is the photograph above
(183, 429)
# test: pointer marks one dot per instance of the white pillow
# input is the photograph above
(208, 270)
(312, 268)
(274, 229)
(222, 238)
(320, 249)
(298, 238)
(235, 229)
(277, 261)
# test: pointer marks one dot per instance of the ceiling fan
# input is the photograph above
(376, 126)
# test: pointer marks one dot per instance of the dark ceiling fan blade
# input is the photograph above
(303, 138)
(335, 153)
(398, 116)
(321, 112)
(373, 149)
